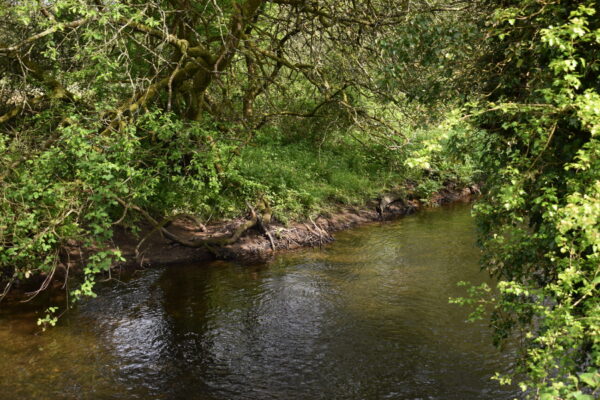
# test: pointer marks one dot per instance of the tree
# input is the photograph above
(540, 216)
(115, 110)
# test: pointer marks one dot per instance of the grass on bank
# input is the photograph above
(74, 190)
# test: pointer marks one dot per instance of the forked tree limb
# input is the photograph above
(198, 242)
(17, 110)
(202, 68)
(56, 89)
(49, 31)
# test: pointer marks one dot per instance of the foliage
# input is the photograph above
(110, 107)
(49, 319)
(433, 55)
(540, 216)
(438, 155)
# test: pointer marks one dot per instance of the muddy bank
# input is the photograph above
(256, 246)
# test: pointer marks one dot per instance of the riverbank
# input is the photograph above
(148, 247)
(257, 245)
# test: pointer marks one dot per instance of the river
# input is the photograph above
(366, 317)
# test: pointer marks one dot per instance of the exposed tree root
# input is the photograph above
(260, 221)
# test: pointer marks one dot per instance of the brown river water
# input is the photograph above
(366, 317)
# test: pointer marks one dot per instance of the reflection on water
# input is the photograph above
(365, 318)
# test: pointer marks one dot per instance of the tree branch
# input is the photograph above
(49, 31)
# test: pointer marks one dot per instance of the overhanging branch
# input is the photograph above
(55, 28)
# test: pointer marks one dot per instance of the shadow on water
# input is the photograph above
(365, 318)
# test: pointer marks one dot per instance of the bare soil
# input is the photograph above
(255, 246)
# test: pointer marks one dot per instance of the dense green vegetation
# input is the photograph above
(540, 216)
(113, 111)
(109, 109)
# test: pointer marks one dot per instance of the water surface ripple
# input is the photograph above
(365, 318)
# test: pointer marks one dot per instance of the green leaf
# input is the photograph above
(590, 378)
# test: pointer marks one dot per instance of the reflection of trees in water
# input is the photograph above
(314, 324)
(234, 325)
(205, 306)
(61, 363)
(132, 320)
(365, 309)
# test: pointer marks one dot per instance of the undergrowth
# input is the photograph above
(77, 189)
